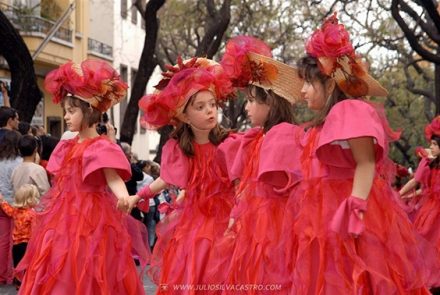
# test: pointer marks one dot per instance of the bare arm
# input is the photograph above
(117, 186)
(363, 154)
(410, 185)
(6, 101)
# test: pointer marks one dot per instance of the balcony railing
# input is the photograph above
(28, 24)
(100, 48)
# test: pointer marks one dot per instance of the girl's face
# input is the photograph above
(435, 149)
(201, 111)
(314, 94)
(257, 112)
(73, 117)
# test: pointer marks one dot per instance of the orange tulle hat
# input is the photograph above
(248, 61)
(167, 103)
(92, 81)
(433, 128)
(336, 57)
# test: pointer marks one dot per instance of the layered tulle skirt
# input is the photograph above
(388, 258)
(81, 244)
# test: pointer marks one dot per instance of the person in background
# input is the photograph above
(9, 120)
(23, 214)
(4, 95)
(28, 172)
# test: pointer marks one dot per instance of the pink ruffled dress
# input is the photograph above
(389, 257)
(186, 236)
(81, 243)
(268, 168)
(427, 221)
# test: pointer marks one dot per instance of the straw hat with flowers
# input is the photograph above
(248, 61)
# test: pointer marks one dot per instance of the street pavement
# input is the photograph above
(149, 286)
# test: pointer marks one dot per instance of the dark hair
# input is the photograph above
(281, 110)
(7, 113)
(27, 145)
(24, 127)
(90, 114)
(48, 145)
(435, 164)
(184, 135)
(308, 70)
(9, 145)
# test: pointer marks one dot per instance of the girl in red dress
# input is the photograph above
(266, 166)
(350, 236)
(193, 160)
(427, 175)
(80, 243)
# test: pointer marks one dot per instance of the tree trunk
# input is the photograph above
(437, 88)
(146, 67)
(25, 94)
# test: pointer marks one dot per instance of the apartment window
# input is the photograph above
(134, 15)
(123, 104)
(124, 8)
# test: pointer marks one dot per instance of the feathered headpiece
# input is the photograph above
(332, 47)
(248, 61)
(93, 81)
(179, 83)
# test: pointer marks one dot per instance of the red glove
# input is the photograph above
(144, 203)
(347, 218)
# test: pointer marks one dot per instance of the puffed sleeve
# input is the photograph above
(174, 165)
(280, 156)
(227, 152)
(423, 172)
(59, 153)
(104, 154)
(348, 119)
(241, 158)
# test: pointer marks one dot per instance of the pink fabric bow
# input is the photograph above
(347, 218)
(144, 203)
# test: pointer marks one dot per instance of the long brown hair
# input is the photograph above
(281, 110)
(185, 137)
(308, 70)
(90, 114)
(435, 164)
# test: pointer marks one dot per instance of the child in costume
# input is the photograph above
(427, 175)
(80, 243)
(23, 214)
(266, 166)
(349, 234)
(187, 97)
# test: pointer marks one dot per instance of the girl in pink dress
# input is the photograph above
(80, 242)
(427, 175)
(350, 236)
(266, 166)
(194, 160)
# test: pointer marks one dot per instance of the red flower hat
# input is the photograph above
(93, 81)
(332, 47)
(433, 128)
(166, 105)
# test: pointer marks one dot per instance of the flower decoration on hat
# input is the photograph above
(401, 171)
(337, 58)
(93, 81)
(248, 61)
(166, 105)
(433, 128)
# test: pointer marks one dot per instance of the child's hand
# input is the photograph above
(123, 204)
(1, 197)
(132, 201)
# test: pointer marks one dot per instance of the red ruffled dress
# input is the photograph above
(389, 257)
(427, 218)
(80, 242)
(268, 168)
(186, 236)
